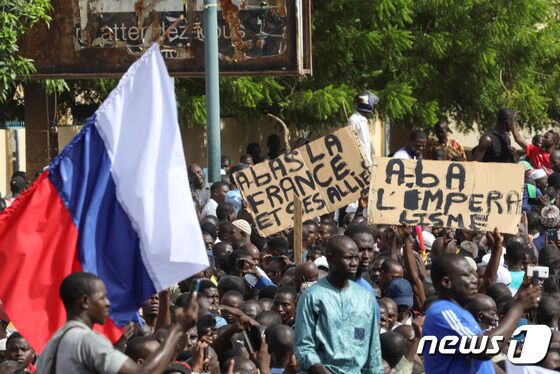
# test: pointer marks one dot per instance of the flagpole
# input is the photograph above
(212, 75)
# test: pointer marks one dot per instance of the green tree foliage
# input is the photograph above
(423, 58)
(427, 58)
(16, 18)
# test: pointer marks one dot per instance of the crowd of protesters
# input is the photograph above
(359, 301)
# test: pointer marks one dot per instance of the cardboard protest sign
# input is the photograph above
(325, 175)
(462, 195)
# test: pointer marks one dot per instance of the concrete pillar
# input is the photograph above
(40, 145)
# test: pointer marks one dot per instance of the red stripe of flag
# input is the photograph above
(37, 250)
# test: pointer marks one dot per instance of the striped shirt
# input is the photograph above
(445, 318)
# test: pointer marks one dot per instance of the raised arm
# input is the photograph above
(517, 137)
(411, 269)
(223, 343)
(164, 315)
(491, 273)
(417, 326)
(158, 361)
(392, 234)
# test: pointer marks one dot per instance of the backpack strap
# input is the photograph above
(53, 365)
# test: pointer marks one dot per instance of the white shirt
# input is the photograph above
(210, 208)
(503, 275)
(403, 154)
(360, 124)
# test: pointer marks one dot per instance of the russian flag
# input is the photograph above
(116, 202)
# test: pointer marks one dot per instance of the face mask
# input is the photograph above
(306, 285)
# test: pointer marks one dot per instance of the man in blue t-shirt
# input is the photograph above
(456, 283)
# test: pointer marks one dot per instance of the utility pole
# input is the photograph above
(212, 76)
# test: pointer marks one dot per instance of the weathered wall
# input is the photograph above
(7, 150)
(236, 134)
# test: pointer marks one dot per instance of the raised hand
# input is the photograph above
(187, 316)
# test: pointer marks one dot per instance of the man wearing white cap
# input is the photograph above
(540, 177)
(429, 239)
(240, 230)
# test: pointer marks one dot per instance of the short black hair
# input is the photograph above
(233, 293)
(134, 347)
(18, 184)
(257, 240)
(388, 264)
(357, 229)
(274, 141)
(253, 148)
(330, 224)
(499, 292)
(548, 310)
(393, 347)
(418, 134)
(224, 225)
(21, 174)
(210, 228)
(310, 222)
(206, 284)
(75, 286)
(505, 115)
(269, 318)
(280, 243)
(441, 266)
(217, 185)
(268, 292)
(288, 290)
(549, 256)
(231, 283)
(515, 252)
(14, 336)
(223, 210)
(533, 221)
(222, 263)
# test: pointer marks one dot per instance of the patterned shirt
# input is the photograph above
(452, 149)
